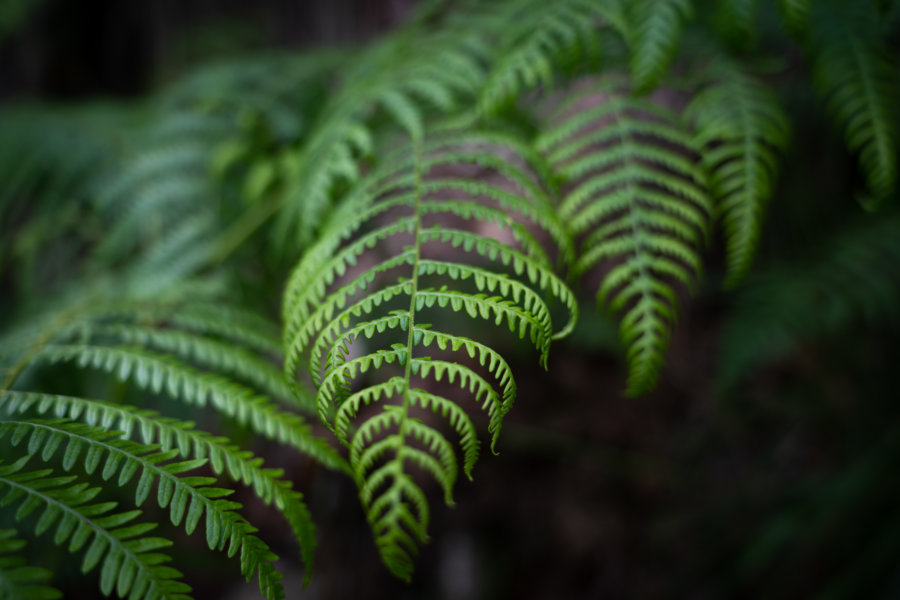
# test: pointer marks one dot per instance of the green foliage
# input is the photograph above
(18, 581)
(859, 82)
(462, 176)
(536, 40)
(654, 31)
(328, 309)
(128, 558)
(637, 200)
(738, 129)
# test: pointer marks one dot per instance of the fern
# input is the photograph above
(636, 198)
(400, 77)
(859, 81)
(159, 372)
(213, 354)
(130, 561)
(188, 498)
(384, 446)
(240, 465)
(543, 38)
(740, 126)
(108, 322)
(17, 580)
(653, 33)
(133, 231)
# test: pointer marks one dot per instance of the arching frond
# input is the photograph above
(332, 304)
(130, 561)
(188, 498)
(740, 127)
(168, 433)
(857, 77)
(18, 581)
(160, 373)
(218, 356)
(637, 201)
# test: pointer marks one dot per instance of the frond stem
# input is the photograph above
(417, 150)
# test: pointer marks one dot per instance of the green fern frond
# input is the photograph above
(857, 77)
(213, 354)
(18, 581)
(654, 32)
(160, 184)
(160, 373)
(403, 77)
(229, 322)
(224, 458)
(537, 40)
(188, 498)
(332, 304)
(740, 128)
(637, 201)
(130, 563)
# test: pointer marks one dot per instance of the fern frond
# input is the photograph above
(859, 81)
(637, 201)
(228, 322)
(219, 356)
(654, 32)
(160, 373)
(129, 560)
(160, 186)
(188, 498)
(18, 581)
(536, 41)
(224, 458)
(740, 127)
(331, 304)
(399, 76)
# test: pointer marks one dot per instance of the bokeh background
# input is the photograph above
(763, 466)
